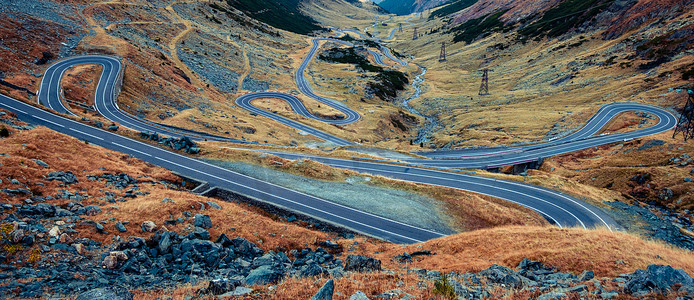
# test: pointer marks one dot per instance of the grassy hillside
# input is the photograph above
(283, 14)
(452, 8)
(398, 7)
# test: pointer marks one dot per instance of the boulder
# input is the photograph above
(359, 263)
(213, 205)
(221, 286)
(264, 275)
(107, 293)
(66, 177)
(586, 275)
(238, 291)
(165, 242)
(148, 226)
(359, 295)
(17, 235)
(112, 259)
(199, 233)
(54, 232)
(552, 296)
(41, 163)
(202, 221)
(65, 239)
(657, 278)
(325, 292)
(224, 240)
(121, 227)
(246, 248)
(15, 192)
(502, 275)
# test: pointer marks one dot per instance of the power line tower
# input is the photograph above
(414, 35)
(484, 87)
(442, 56)
(686, 121)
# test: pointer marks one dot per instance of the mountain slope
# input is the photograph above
(283, 14)
(404, 7)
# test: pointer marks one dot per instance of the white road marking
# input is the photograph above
(47, 121)
(131, 149)
(295, 202)
(87, 134)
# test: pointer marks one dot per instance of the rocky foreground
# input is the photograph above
(236, 267)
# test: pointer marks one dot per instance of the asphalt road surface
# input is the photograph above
(562, 210)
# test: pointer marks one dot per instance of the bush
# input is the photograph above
(451, 8)
(475, 28)
(444, 288)
(4, 132)
(564, 17)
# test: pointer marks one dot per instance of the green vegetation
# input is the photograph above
(687, 72)
(444, 288)
(564, 17)
(480, 27)
(386, 83)
(282, 14)
(4, 132)
(661, 49)
(398, 7)
(238, 19)
(346, 37)
(452, 8)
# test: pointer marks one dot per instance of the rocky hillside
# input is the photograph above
(80, 228)
(405, 7)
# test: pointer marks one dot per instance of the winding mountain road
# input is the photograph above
(561, 209)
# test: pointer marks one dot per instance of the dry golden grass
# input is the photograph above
(606, 253)
(468, 211)
(79, 84)
(526, 96)
(64, 153)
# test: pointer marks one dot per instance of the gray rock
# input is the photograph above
(222, 286)
(325, 292)
(121, 227)
(41, 163)
(687, 289)
(238, 291)
(586, 275)
(359, 263)
(264, 275)
(359, 295)
(551, 296)
(608, 295)
(108, 293)
(502, 275)
(113, 128)
(202, 221)
(148, 226)
(200, 233)
(214, 205)
(15, 192)
(15, 181)
(167, 200)
(66, 177)
(657, 278)
(165, 242)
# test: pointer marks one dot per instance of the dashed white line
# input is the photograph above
(47, 121)
(87, 134)
(131, 149)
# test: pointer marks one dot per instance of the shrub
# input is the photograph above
(444, 288)
(4, 132)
